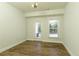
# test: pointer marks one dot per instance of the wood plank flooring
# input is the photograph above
(37, 48)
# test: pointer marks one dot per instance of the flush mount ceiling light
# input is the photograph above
(35, 5)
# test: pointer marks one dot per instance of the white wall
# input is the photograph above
(30, 25)
(12, 26)
(71, 28)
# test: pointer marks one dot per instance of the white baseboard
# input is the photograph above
(45, 40)
(52, 41)
(8, 47)
(68, 49)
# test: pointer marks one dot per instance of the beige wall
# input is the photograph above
(71, 28)
(12, 26)
(30, 22)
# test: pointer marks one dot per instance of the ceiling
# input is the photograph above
(27, 6)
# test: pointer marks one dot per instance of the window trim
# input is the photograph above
(58, 29)
(37, 30)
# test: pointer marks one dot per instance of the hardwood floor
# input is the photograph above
(36, 48)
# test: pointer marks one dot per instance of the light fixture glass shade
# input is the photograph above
(35, 5)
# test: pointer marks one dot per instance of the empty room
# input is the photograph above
(39, 28)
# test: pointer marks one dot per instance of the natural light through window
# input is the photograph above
(37, 30)
(53, 28)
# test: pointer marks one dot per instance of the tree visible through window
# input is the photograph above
(53, 28)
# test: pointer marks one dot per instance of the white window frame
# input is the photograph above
(36, 31)
(53, 35)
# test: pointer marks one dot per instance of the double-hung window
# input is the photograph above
(53, 28)
(37, 30)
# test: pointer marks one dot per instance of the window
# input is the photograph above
(53, 28)
(37, 30)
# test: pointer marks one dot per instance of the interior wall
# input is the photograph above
(30, 25)
(71, 28)
(12, 26)
(44, 13)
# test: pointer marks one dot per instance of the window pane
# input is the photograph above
(37, 30)
(53, 28)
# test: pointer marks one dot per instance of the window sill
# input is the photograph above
(53, 36)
